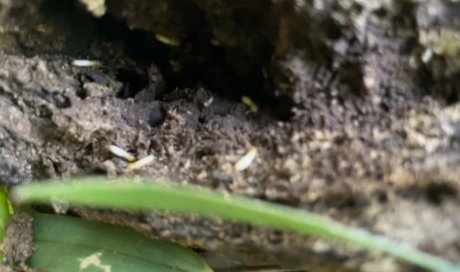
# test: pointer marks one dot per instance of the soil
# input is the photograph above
(354, 121)
(18, 245)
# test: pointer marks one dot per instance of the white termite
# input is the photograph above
(120, 152)
(140, 163)
(208, 102)
(244, 162)
(86, 63)
(427, 55)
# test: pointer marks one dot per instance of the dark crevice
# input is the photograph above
(452, 98)
(443, 88)
(81, 93)
(97, 171)
(59, 100)
(134, 81)
(196, 61)
(435, 193)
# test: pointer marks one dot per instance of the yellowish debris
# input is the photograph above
(96, 7)
(94, 260)
(176, 66)
(167, 40)
(215, 42)
(251, 104)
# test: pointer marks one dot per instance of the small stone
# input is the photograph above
(402, 178)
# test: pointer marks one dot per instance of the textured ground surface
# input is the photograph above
(352, 123)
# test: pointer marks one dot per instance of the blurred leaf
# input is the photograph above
(5, 213)
(71, 244)
(126, 193)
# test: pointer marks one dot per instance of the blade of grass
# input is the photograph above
(123, 193)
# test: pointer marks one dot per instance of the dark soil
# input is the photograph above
(351, 122)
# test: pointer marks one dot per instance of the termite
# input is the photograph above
(86, 63)
(208, 102)
(120, 152)
(140, 163)
(244, 162)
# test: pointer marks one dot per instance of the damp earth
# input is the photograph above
(357, 117)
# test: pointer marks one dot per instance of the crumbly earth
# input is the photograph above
(18, 245)
(354, 122)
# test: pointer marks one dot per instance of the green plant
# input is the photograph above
(127, 193)
(65, 243)
(5, 213)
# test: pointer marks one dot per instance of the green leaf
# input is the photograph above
(126, 193)
(5, 213)
(71, 244)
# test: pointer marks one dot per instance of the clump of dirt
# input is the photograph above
(350, 123)
(18, 245)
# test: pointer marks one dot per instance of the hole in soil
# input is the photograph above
(97, 171)
(381, 12)
(201, 120)
(452, 97)
(333, 30)
(381, 197)
(447, 92)
(81, 93)
(156, 116)
(437, 193)
(195, 61)
(59, 100)
(133, 82)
